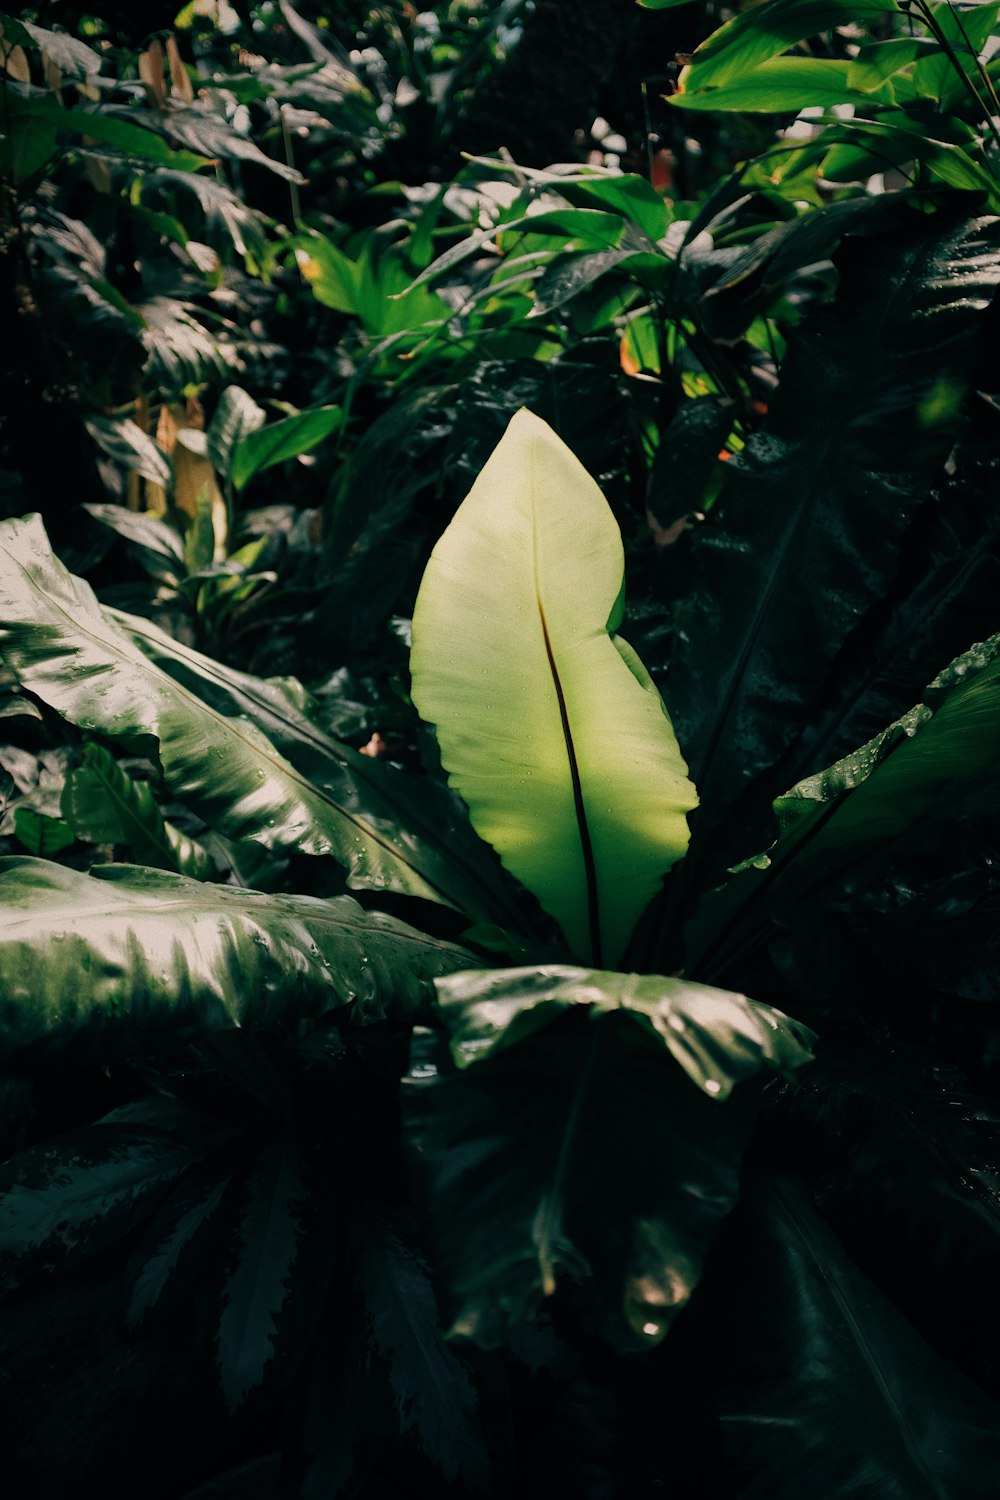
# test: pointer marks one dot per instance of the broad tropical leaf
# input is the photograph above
(428, 824)
(265, 1251)
(854, 810)
(102, 803)
(821, 1386)
(288, 438)
(62, 646)
(139, 958)
(807, 531)
(549, 726)
(591, 1137)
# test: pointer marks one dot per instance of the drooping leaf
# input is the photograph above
(135, 957)
(158, 547)
(590, 1138)
(65, 648)
(73, 58)
(820, 1384)
(426, 820)
(433, 1390)
(265, 1249)
(280, 440)
(549, 726)
(102, 803)
(125, 442)
(807, 530)
(69, 1197)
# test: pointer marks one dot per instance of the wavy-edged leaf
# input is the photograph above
(429, 825)
(806, 533)
(288, 438)
(433, 1390)
(66, 649)
(821, 1386)
(102, 803)
(126, 958)
(549, 726)
(174, 1233)
(576, 1146)
(64, 1200)
(265, 1251)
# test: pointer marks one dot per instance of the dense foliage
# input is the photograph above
(627, 1123)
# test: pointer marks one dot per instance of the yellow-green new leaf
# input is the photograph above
(549, 727)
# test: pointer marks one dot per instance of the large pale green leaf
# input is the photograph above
(574, 1123)
(549, 726)
(138, 958)
(62, 646)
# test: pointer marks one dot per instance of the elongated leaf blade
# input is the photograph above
(752, 38)
(201, 1202)
(430, 829)
(820, 1384)
(854, 810)
(549, 728)
(535, 1166)
(262, 448)
(64, 647)
(265, 1251)
(432, 1387)
(65, 1199)
(138, 958)
(101, 802)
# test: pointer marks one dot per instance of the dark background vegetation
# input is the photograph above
(245, 393)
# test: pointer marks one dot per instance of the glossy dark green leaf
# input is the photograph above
(856, 808)
(103, 804)
(125, 442)
(778, 86)
(69, 1197)
(752, 38)
(821, 1386)
(236, 416)
(41, 834)
(433, 1391)
(70, 652)
(126, 959)
(428, 825)
(547, 1127)
(264, 1251)
(262, 448)
(157, 546)
(807, 531)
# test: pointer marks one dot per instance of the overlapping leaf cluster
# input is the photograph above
(399, 1190)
